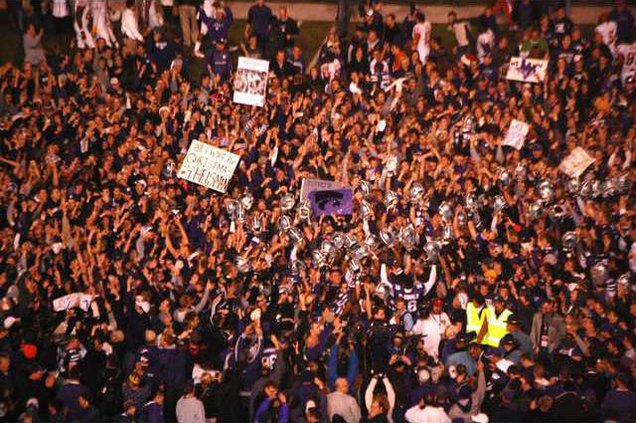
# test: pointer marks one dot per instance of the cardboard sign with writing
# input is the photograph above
(209, 166)
(527, 70)
(575, 164)
(516, 135)
(69, 301)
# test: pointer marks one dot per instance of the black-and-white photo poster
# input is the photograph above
(250, 81)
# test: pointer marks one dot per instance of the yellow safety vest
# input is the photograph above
(474, 318)
(497, 327)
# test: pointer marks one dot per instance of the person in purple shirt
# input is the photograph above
(274, 404)
(70, 393)
(259, 19)
(152, 412)
(620, 403)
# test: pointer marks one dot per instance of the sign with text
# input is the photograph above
(69, 301)
(516, 135)
(575, 164)
(208, 166)
(527, 70)
(250, 81)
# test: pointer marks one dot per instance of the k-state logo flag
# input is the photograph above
(333, 202)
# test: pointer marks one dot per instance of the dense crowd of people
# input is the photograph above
(473, 281)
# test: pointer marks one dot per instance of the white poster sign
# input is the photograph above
(575, 164)
(250, 81)
(208, 166)
(309, 185)
(516, 135)
(527, 70)
(69, 301)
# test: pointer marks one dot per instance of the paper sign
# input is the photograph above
(398, 83)
(575, 164)
(250, 81)
(69, 301)
(208, 166)
(335, 202)
(516, 135)
(309, 185)
(527, 70)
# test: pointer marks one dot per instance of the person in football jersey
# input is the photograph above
(422, 37)
(607, 29)
(626, 53)
(214, 24)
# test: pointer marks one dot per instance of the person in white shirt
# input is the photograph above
(485, 43)
(429, 329)
(607, 29)
(461, 30)
(155, 15)
(423, 413)
(130, 28)
(103, 28)
(341, 403)
(422, 37)
(81, 25)
(439, 316)
(189, 408)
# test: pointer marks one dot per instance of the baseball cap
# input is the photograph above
(9, 321)
(493, 352)
(513, 320)
(508, 340)
(462, 337)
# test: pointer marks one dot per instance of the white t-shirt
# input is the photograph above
(628, 52)
(460, 29)
(430, 329)
(60, 9)
(485, 43)
(426, 415)
(423, 30)
(608, 32)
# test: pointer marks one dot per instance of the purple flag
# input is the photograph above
(331, 202)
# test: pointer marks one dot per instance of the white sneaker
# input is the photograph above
(199, 54)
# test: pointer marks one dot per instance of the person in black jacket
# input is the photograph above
(281, 67)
